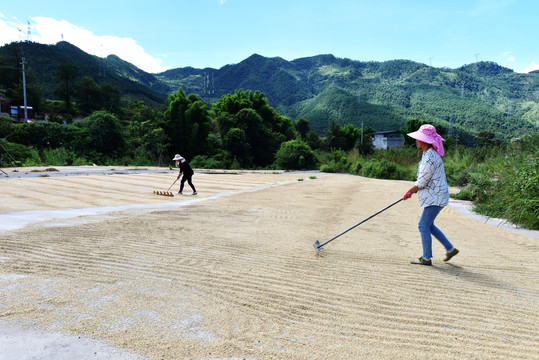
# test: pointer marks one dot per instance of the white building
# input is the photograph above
(387, 139)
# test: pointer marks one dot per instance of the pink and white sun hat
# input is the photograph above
(427, 133)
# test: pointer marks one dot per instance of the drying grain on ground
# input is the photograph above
(232, 273)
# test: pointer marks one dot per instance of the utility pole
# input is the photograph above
(24, 90)
(24, 75)
(359, 102)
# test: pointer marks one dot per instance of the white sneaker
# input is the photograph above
(194, 192)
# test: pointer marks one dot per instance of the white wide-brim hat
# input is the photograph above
(177, 157)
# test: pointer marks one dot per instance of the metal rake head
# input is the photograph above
(317, 247)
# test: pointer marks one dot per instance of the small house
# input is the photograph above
(387, 139)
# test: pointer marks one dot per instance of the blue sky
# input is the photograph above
(159, 35)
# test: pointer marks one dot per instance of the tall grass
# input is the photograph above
(507, 185)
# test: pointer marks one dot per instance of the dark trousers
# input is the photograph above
(188, 179)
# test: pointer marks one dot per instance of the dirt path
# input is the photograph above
(231, 273)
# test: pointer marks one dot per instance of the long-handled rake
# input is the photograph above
(166, 193)
(318, 246)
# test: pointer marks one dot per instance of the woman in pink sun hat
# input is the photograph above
(431, 186)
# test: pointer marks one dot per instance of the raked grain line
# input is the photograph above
(95, 262)
(342, 333)
(149, 263)
(342, 307)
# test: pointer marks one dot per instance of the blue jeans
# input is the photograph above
(426, 228)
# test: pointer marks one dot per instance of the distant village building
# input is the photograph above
(387, 139)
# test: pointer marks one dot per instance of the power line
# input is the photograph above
(209, 86)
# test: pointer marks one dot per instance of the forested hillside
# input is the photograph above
(381, 95)
(477, 97)
(42, 64)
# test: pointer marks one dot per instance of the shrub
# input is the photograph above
(383, 169)
(337, 162)
(19, 153)
(207, 162)
(356, 168)
(295, 155)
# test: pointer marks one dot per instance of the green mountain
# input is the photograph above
(382, 95)
(43, 60)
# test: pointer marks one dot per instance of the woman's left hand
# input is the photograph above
(407, 195)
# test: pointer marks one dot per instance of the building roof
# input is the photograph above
(386, 132)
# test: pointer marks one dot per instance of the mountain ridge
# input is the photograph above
(482, 96)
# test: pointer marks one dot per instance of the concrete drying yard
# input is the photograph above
(94, 265)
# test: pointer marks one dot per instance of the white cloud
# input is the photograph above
(50, 31)
(533, 66)
(9, 31)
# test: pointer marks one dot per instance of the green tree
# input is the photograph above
(236, 144)
(10, 68)
(105, 133)
(344, 138)
(156, 142)
(188, 125)
(264, 128)
(66, 74)
(93, 97)
(138, 111)
(258, 135)
(303, 127)
(88, 95)
(313, 140)
(486, 139)
(143, 128)
(110, 98)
